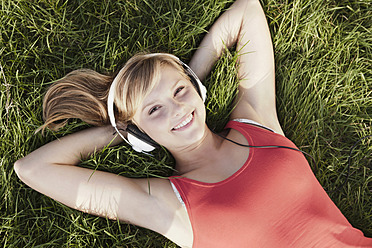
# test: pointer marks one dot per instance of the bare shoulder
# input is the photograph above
(150, 203)
(267, 118)
(164, 213)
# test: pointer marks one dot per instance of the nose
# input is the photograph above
(178, 108)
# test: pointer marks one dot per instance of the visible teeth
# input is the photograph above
(185, 122)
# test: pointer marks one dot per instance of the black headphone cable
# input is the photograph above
(305, 153)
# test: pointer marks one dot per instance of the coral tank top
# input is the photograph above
(273, 200)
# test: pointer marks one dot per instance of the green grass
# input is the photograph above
(323, 52)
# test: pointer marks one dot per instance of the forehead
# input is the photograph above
(169, 77)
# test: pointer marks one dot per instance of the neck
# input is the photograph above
(194, 157)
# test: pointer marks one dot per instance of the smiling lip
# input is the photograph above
(185, 123)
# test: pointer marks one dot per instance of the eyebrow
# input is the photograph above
(153, 102)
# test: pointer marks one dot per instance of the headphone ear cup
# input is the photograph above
(139, 140)
(138, 145)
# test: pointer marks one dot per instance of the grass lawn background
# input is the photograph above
(323, 54)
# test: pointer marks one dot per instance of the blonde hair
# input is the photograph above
(82, 94)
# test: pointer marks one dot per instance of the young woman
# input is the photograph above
(224, 193)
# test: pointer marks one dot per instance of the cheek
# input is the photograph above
(155, 127)
(201, 108)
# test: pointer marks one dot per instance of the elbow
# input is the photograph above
(20, 169)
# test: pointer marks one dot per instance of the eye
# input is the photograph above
(178, 90)
(153, 109)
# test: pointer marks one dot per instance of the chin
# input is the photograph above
(193, 140)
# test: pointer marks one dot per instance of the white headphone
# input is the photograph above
(140, 141)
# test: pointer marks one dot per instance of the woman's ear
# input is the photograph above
(122, 125)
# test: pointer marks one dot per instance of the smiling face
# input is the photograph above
(173, 113)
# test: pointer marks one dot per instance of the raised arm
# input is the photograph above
(244, 24)
(51, 170)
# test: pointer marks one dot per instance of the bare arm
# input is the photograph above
(51, 170)
(244, 24)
